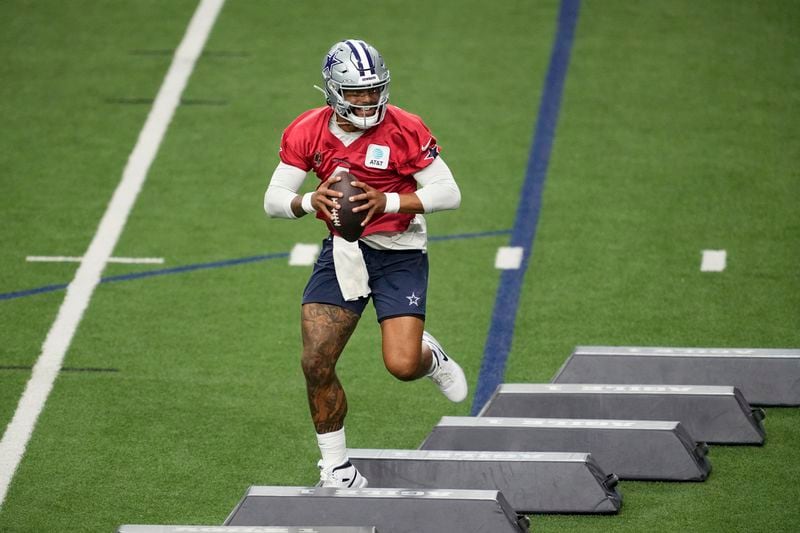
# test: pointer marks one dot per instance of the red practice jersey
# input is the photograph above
(385, 157)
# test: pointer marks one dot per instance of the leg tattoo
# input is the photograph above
(326, 329)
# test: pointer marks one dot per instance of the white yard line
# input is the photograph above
(74, 259)
(79, 292)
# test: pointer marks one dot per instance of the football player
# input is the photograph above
(395, 160)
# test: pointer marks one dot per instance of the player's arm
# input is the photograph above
(438, 188)
(281, 199)
(438, 191)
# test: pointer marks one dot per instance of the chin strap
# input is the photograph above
(320, 89)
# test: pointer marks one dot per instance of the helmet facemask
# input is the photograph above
(355, 65)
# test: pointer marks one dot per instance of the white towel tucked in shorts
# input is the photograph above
(351, 271)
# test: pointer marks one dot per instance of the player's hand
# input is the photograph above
(375, 201)
(324, 199)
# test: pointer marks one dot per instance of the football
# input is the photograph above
(347, 223)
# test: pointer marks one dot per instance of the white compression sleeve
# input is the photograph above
(438, 188)
(283, 187)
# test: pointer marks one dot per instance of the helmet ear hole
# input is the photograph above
(332, 88)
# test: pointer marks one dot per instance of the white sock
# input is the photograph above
(333, 448)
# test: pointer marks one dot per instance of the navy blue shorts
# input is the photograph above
(398, 280)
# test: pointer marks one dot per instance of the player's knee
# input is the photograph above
(316, 368)
(403, 368)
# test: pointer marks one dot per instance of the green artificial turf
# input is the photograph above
(678, 132)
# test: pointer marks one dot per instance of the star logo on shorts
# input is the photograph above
(413, 299)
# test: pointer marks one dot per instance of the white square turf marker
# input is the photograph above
(303, 254)
(713, 261)
(508, 257)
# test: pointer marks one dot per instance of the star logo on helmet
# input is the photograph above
(330, 61)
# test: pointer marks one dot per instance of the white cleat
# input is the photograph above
(344, 476)
(447, 375)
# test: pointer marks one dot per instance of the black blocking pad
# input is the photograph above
(241, 529)
(631, 449)
(710, 414)
(389, 510)
(531, 482)
(763, 376)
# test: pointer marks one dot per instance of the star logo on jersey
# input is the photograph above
(413, 299)
(330, 62)
(433, 152)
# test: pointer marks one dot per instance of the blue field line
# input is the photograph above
(196, 266)
(501, 329)
(31, 292)
(216, 264)
(470, 235)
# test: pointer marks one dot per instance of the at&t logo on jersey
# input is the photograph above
(377, 156)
